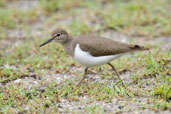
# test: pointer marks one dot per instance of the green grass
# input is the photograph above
(150, 71)
(6, 19)
(34, 57)
(135, 18)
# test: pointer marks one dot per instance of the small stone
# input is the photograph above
(17, 81)
(60, 106)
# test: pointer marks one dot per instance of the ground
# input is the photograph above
(43, 80)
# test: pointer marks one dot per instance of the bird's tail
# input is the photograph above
(139, 47)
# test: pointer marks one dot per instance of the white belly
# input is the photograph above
(88, 60)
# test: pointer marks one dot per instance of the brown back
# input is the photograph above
(100, 46)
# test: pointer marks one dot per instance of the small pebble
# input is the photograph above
(60, 106)
(17, 81)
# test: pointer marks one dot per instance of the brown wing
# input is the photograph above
(99, 46)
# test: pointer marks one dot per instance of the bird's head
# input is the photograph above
(58, 35)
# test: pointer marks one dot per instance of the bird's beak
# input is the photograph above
(48, 41)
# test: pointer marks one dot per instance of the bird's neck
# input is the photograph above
(69, 46)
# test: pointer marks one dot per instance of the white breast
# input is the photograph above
(88, 60)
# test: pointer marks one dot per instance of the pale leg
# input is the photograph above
(84, 76)
(113, 68)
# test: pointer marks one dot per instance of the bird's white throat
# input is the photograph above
(86, 59)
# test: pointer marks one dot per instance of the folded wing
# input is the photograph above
(99, 46)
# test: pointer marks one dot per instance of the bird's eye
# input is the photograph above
(58, 35)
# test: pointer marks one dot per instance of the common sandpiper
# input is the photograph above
(91, 50)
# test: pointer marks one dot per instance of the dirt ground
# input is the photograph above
(129, 106)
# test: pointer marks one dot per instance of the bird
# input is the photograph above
(91, 50)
